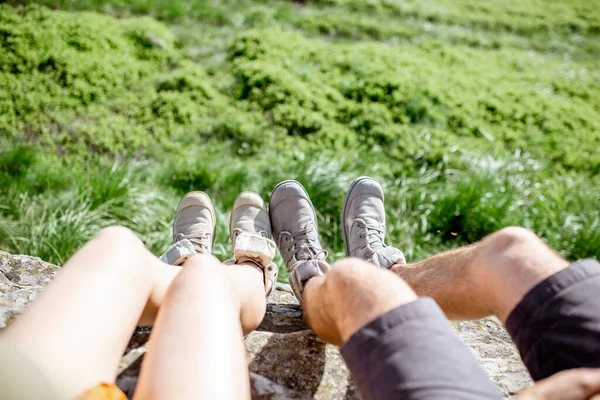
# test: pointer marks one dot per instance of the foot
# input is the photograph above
(294, 223)
(363, 224)
(195, 222)
(250, 231)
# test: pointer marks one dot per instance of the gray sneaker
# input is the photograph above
(294, 224)
(250, 231)
(363, 224)
(195, 222)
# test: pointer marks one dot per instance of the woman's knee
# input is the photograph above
(205, 262)
(120, 237)
(205, 272)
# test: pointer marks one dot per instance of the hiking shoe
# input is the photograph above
(178, 253)
(294, 224)
(195, 222)
(250, 231)
(363, 224)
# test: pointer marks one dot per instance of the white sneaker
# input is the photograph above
(363, 224)
(294, 223)
(250, 231)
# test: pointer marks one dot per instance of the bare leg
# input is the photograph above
(86, 316)
(196, 350)
(406, 348)
(247, 281)
(78, 327)
(349, 296)
(489, 277)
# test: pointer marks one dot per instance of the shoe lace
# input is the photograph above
(238, 231)
(199, 241)
(374, 235)
(304, 245)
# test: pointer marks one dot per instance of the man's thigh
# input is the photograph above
(412, 352)
(557, 324)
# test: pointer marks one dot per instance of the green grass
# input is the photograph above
(473, 115)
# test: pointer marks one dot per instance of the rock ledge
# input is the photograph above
(286, 360)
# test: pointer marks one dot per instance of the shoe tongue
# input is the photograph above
(371, 221)
(311, 228)
(201, 245)
(388, 256)
(377, 246)
(252, 219)
(307, 253)
(307, 250)
(374, 223)
(304, 253)
(370, 209)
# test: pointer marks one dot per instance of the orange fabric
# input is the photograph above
(104, 391)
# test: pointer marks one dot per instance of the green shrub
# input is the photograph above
(301, 84)
(473, 117)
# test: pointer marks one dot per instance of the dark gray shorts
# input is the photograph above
(412, 352)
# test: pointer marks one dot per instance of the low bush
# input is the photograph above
(473, 117)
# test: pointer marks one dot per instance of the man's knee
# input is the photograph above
(347, 273)
(351, 274)
(124, 254)
(509, 238)
(352, 278)
(515, 247)
(507, 264)
(350, 295)
(511, 248)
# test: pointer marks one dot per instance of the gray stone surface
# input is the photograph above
(283, 350)
(285, 359)
(496, 352)
(21, 278)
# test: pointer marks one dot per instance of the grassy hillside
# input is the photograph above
(473, 115)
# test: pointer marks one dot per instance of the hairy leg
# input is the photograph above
(395, 345)
(349, 296)
(196, 350)
(489, 277)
